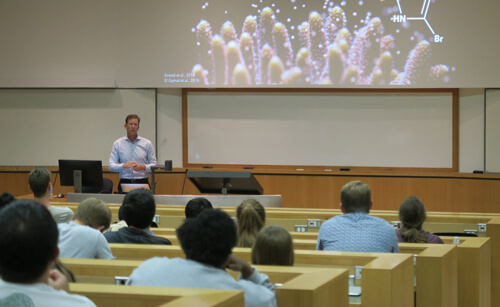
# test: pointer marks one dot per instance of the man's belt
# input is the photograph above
(139, 180)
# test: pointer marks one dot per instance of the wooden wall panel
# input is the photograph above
(452, 192)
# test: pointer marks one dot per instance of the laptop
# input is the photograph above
(127, 187)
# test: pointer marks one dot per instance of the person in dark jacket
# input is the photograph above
(138, 209)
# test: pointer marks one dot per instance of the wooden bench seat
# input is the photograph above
(473, 263)
(301, 286)
(387, 278)
(172, 216)
(119, 296)
(436, 221)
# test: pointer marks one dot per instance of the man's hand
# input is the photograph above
(139, 167)
(239, 265)
(130, 164)
(58, 281)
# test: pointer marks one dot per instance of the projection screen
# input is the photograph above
(258, 43)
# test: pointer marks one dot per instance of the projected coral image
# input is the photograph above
(343, 43)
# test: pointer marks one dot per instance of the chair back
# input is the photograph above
(107, 187)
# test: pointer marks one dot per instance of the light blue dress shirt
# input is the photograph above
(79, 241)
(140, 151)
(357, 232)
(184, 273)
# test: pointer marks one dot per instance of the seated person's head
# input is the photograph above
(274, 246)
(412, 216)
(120, 213)
(355, 196)
(5, 199)
(39, 180)
(28, 241)
(209, 238)
(94, 213)
(196, 205)
(139, 208)
(251, 218)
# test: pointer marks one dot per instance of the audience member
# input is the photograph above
(82, 237)
(61, 267)
(251, 218)
(29, 251)
(274, 246)
(412, 216)
(195, 206)
(207, 242)
(121, 221)
(40, 185)
(356, 230)
(5, 199)
(139, 209)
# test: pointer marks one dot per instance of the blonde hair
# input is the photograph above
(355, 196)
(93, 212)
(274, 246)
(251, 218)
(412, 216)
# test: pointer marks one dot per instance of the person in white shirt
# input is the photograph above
(207, 241)
(40, 185)
(82, 237)
(29, 251)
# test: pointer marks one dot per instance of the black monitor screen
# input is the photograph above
(235, 182)
(91, 172)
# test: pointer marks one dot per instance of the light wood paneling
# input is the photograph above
(117, 296)
(302, 286)
(444, 192)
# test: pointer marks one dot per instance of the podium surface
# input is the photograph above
(273, 201)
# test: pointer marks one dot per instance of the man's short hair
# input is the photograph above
(5, 199)
(28, 241)
(209, 238)
(131, 116)
(94, 213)
(356, 197)
(139, 208)
(196, 205)
(39, 180)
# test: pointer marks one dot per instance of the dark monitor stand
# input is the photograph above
(77, 181)
(79, 173)
(225, 182)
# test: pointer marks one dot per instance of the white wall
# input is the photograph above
(169, 126)
(41, 126)
(169, 129)
(471, 128)
(492, 127)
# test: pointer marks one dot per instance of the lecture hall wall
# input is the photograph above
(471, 128)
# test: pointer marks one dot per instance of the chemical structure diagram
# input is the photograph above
(401, 17)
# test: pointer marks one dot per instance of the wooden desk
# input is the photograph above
(302, 286)
(118, 296)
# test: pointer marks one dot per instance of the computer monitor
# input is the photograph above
(78, 173)
(225, 182)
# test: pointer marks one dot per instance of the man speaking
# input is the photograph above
(132, 156)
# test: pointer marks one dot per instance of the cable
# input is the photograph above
(55, 180)
(184, 183)
(52, 186)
